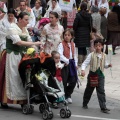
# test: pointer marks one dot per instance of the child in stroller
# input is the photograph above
(37, 75)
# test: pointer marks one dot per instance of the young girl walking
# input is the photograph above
(68, 54)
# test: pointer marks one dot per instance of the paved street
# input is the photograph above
(78, 113)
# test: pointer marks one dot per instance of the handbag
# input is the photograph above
(94, 80)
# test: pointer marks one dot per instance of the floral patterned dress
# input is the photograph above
(51, 37)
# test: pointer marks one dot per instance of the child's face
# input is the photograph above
(57, 58)
(98, 47)
(67, 36)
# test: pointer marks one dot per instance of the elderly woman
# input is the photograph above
(103, 26)
(81, 26)
(96, 17)
(53, 6)
(114, 27)
(52, 34)
(11, 88)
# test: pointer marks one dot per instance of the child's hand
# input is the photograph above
(76, 67)
(110, 65)
(82, 73)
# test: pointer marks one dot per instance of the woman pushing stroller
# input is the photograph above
(18, 39)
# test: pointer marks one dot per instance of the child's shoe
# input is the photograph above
(69, 100)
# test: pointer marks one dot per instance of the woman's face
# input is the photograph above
(11, 17)
(103, 1)
(37, 4)
(24, 21)
(53, 19)
(53, 4)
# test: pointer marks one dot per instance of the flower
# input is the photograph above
(30, 51)
(38, 77)
(110, 49)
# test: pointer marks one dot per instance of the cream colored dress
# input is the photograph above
(14, 86)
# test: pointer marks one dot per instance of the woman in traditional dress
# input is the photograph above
(105, 4)
(53, 6)
(5, 24)
(38, 10)
(51, 35)
(11, 88)
(2, 30)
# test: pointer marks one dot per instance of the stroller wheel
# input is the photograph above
(42, 107)
(45, 115)
(25, 109)
(68, 113)
(50, 116)
(63, 113)
(31, 109)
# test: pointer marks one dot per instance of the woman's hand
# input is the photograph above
(38, 43)
(82, 73)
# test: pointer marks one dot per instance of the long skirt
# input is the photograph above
(3, 96)
(113, 38)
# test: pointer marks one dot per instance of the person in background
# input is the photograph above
(68, 56)
(4, 8)
(82, 27)
(63, 20)
(97, 61)
(54, 7)
(5, 24)
(38, 10)
(2, 31)
(105, 4)
(24, 8)
(96, 18)
(51, 35)
(94, 35)
(103, 26)
(114, 27)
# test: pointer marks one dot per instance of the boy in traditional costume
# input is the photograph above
(96, 78)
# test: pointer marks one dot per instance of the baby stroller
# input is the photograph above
(37, 75)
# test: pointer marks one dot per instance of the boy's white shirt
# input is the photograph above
(88, 59)
(63, 58)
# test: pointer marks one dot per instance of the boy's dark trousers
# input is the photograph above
(100, 93)
(68, 82)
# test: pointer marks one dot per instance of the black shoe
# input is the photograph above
(4, 106)
(85, 106)
(105, 110)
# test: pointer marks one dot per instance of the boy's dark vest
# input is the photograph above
(66, 51)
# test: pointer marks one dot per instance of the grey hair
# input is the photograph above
(94, 9)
